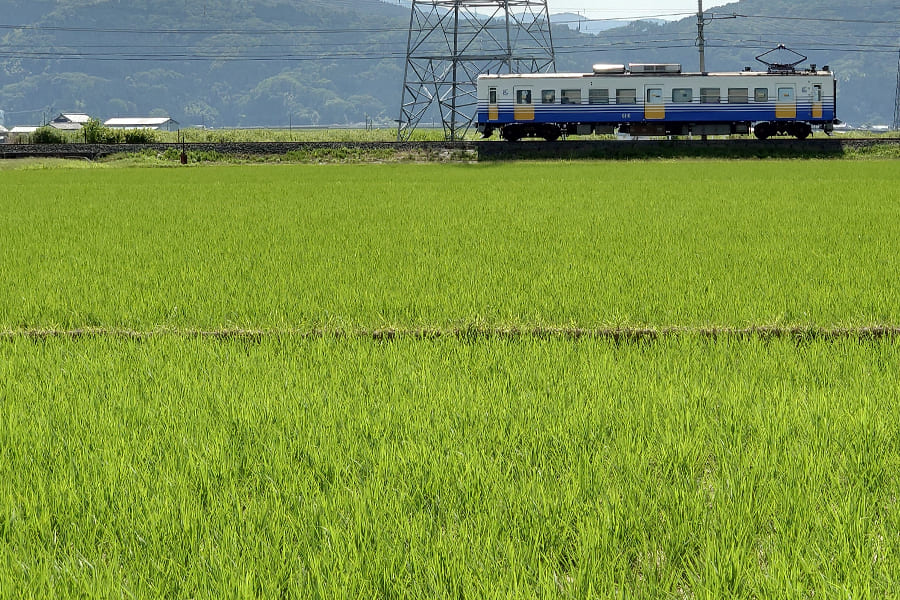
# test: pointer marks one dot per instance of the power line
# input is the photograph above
(818, 38)
(363, 49)
(360, 55)
(399, 29)
(820, 19)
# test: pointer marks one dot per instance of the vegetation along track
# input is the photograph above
(483, 150)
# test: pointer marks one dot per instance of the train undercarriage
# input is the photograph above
(553, 131)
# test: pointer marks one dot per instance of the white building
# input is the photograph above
(20, 131)
(153, 123)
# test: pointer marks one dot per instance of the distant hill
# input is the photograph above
(583, 24)
(205, 62)
(318, 62)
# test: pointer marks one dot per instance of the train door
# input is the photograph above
(654, 106)
(817, 102)
(524, 110)
(493, 107)
(786, 105)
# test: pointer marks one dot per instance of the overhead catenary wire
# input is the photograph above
(659, 37)
(231, 50)
(360, 55)
(399, 28)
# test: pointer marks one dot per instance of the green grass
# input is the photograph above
(200, 395)
(302, 135)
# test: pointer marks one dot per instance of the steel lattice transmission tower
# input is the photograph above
(451, 42)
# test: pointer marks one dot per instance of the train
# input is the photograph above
(657, 99)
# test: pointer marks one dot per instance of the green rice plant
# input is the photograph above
(634, 379)
(342, 247)
(297, 468)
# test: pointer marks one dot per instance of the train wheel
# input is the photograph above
(511, 133)
(802, 131)
(762, 131)
(551, 133)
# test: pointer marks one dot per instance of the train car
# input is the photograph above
(657, 100)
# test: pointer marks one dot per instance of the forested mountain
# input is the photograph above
(318, 62)
(212, 62)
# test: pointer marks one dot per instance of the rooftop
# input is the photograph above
(79, 118)
(140, 122)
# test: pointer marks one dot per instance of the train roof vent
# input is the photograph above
(601, 69)
(646, 69)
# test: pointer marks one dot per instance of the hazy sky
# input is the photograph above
(618, 9)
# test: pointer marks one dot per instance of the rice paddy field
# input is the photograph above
(655, 379)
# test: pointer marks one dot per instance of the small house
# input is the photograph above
(69, 121)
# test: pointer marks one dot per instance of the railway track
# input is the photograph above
(481, 150)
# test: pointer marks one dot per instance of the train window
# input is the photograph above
(523, 96)
(710, 95)
(626, 96)
(493, 96)
(738, 95)
(548, 96)
(817, 93)
(571, 96)
(598, 96)
(683, 95)
(761, 95)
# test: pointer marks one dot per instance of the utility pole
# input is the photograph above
(897, 98)
(702, 21)
(701, 41)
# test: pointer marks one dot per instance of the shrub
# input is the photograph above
(140, 136)
(95, 132)
(48, 135)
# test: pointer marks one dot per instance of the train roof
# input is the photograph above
(651, 75)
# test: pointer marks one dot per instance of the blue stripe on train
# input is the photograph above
(624, 113)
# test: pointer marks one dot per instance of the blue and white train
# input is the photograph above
(657, 100)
